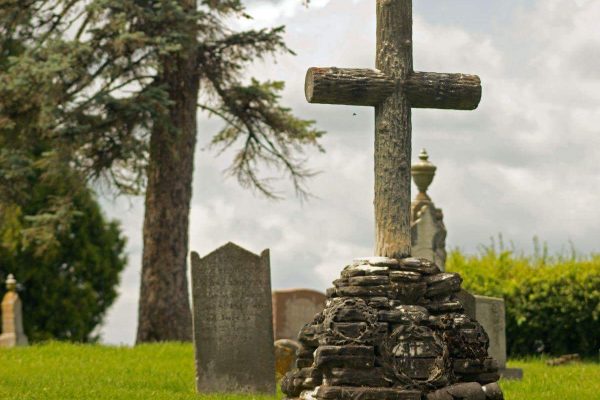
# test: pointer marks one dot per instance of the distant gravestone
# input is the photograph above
(233, 326)
(490, 312)
(293, 308)
(12, 317)
(428, 233)
(285, 356)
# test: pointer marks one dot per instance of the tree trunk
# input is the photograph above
(164, 307)
(393, 131)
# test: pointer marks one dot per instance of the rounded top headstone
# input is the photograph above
(11, 283)
(423, 173)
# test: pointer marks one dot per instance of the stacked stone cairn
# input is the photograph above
(393, 330)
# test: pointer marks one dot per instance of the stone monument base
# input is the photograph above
(13, 340)
(393, 330)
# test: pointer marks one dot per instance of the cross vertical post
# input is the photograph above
(393, 131)
(393, 89)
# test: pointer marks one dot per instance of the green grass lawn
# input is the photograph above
(154, 372)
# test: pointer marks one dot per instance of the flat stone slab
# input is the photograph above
(365, 393)
(376, 261)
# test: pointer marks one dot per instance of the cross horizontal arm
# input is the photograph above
(443, 91)
(350, 86)
(368, 87)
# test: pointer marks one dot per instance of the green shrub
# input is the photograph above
(552, 303)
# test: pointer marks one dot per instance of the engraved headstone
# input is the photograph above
(233, 321)
(293, 308)
(12, 317)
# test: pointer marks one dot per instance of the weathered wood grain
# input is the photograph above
(350, 86)
(443, 91)
(393, 131)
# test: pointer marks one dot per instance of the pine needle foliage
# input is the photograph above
(83, 75)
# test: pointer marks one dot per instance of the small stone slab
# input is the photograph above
(345, 356)
(466, 391)
(364, 270)
(351, 314)
(340, 282)
(408, 293)
(376, 261)
(483, 378)
(299, 380)
(331, 293)
(418, 265)
(363, 291)
(380, 303)
(366, 393)
(305, 352)
(309, 336)
(443, 284)
(444, 307)
(311, 377)
(404, 314)
(373, 280)
(373, 377)
(440, 278)
(405, 276)
(304, 363)
(474, 366)
(493, 392)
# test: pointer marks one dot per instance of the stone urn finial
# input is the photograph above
(423, 173)
(11, 283)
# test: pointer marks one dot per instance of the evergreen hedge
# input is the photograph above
(552, 302)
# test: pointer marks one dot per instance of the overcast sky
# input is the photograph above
(525, 164)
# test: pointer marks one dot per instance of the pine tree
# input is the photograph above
(115, 85)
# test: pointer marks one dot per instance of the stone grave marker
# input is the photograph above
(428, 233)
(233, 321)
(12, 317)
(293, 308)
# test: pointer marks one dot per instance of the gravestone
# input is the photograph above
(428, 233)
(292, 308)
(491, 313)
(12, 317)
(285, 356)
(233, 321)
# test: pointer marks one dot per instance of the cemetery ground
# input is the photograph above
(166, 371)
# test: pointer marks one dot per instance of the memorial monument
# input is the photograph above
(392, 328)
(12, 317)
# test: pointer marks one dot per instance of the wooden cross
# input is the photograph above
(393, 89)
